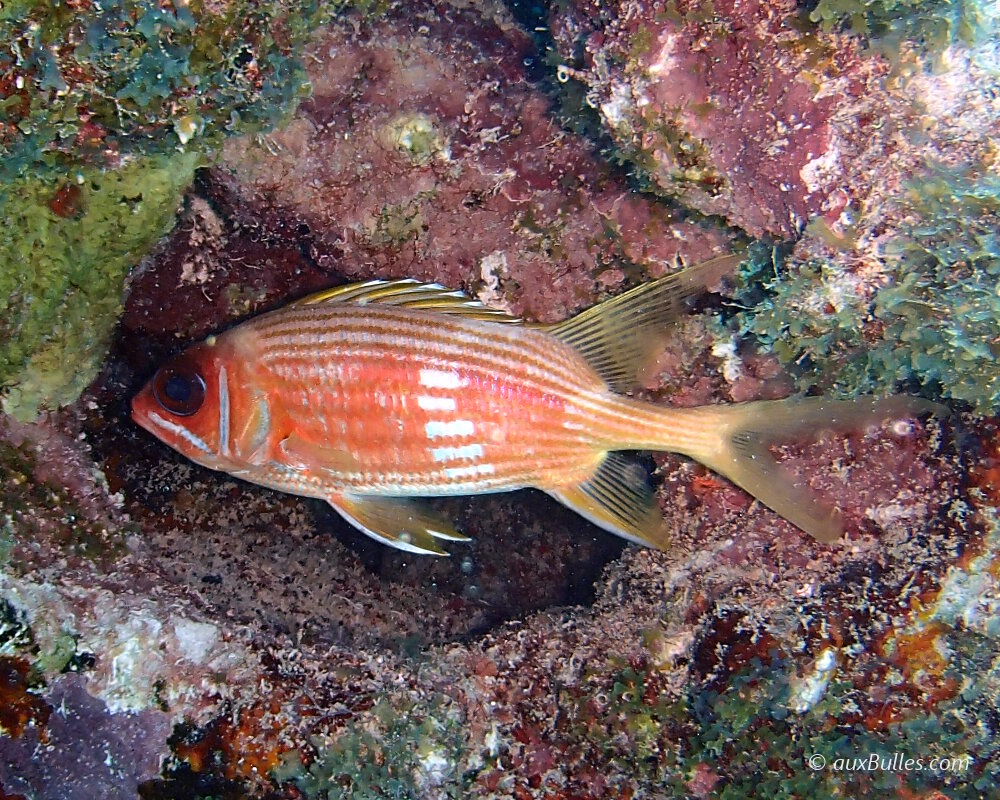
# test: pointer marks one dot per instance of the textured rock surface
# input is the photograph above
(288, 657)
(424, 152)
(732, 109)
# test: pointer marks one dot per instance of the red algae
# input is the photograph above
(18, 707)
(733, 110)
(411, 142)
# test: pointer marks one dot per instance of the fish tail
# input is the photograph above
(734, 441)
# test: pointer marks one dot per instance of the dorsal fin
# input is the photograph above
(411, 294)
(622, 335)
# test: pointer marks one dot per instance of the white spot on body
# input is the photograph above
(441, 379)
(436, 429)
(428, 403)
(466, 451)
(472, 471)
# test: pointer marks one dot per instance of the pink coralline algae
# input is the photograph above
(729, 108)
(425, 152)
(82, 751)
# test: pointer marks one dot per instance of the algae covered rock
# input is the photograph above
(727, 108)
(66, 248)
(91, 82)
(106, 110)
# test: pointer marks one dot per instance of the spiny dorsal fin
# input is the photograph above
(618, 498)
(621, 336)
(410, 294)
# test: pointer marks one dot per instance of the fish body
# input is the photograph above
(372, 395)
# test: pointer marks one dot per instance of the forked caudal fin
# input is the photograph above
(738, 448)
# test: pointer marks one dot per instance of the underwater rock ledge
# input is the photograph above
(167, 632)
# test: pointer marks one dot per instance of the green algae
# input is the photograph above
(61, 288)
(931, 24)
(416, 137)
(82, 85)
(84, 90)
(761, 748)
(744, 739)
(933, 324)
(409, 750)
(51, 652)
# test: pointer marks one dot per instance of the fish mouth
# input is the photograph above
(139, 415)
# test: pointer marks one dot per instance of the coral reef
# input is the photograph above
(170, 632)
(889, 169)
(930, 320)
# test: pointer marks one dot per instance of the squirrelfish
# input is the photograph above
(373, 395)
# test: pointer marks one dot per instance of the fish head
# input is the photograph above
(186, 405)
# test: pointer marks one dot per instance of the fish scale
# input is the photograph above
(372, 395)
(515, 402)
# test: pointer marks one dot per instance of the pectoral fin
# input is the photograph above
(618, 499)
(306, 455)
(398, 522)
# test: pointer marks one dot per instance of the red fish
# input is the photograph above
(372, 395)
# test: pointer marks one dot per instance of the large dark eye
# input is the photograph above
(179, 387)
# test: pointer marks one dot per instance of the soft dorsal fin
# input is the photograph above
(409, 293)
(621, 336)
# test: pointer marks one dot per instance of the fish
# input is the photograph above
(374, 395)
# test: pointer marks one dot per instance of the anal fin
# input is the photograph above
(618, 499)
(397, 521)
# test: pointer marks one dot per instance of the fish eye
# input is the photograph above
(179, 388)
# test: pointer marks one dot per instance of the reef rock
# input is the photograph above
(729, 108)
